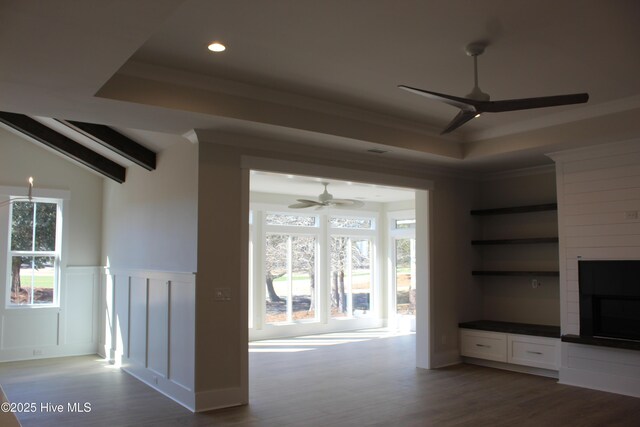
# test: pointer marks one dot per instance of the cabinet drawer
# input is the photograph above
(483, 345)
(533, 351)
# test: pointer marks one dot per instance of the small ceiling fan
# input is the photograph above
(477, 102)
(326, 199)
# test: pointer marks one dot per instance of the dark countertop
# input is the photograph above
(602, 342)
(513, 328)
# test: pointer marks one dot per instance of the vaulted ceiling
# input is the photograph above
(325, 73)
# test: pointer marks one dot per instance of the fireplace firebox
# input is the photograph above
(610, 299)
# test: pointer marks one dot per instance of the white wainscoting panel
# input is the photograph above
(182, 302)
(81, 301)
(107, 318)
(68, 330)
(137, 353)
(149, 329)
(597, 187)
(158, 339)
(121, 320)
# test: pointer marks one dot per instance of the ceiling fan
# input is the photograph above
(477, 102)
(326, 199)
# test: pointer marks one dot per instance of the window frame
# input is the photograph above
(290, 233)
(374, 291)
(261, 211)
(56, 253)
(322, 230)
(395, 234)
(372, 218)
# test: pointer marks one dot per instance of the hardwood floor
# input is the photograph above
(344, 379)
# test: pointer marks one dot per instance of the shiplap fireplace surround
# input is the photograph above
(598, 191)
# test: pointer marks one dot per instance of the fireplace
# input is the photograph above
(610, 299)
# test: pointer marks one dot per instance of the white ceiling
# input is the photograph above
(324, 73)
(312, 187)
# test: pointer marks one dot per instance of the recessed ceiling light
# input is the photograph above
(216, 47)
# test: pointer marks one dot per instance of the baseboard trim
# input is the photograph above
(48, 352)
(220, 398)
(511, 367)
(445, 358)
(174, 391)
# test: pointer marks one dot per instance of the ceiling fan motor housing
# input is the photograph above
(478, 95)
(325, 196)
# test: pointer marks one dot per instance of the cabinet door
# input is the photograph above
(538, 352)
(483, 345)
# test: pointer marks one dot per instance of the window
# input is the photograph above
(402, 252)
(290, 220)
(311, 268)
(290, 276)
(34, 252)
(405, 276)
(404, 223)
(351, 223)
(350, 276)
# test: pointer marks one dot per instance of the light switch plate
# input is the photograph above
(222, 294)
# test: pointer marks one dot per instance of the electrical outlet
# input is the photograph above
(535, 284)
(37, 352)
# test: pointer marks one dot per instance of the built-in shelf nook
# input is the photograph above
(516, 250)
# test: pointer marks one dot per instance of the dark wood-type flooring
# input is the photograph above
(346, 379)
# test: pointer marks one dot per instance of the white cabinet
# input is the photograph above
(526, 350)
(538, 352)
(483, 345)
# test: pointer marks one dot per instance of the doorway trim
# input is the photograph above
(423, 208)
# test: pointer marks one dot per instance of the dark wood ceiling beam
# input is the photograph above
(117, 142)
(56, 141)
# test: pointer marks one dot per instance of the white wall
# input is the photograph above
(148, 292)
(455, 294)
(150, 221)
(596, 186)
(70, 329)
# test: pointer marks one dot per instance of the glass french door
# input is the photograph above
(290, 273)
(351, 277)
(404, 281)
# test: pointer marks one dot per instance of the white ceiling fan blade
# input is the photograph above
(304, 204)
(347, 203)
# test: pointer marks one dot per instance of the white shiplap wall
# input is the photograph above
(598, 193)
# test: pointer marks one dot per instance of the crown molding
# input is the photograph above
(514, 173)
(596, 151)
(244, 90)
